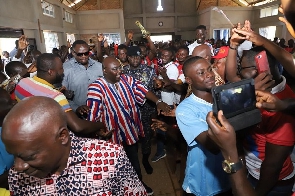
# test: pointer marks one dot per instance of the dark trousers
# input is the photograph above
(132, 154)
(146, 112)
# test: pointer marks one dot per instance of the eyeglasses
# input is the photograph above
(248, 67)
(81, 54)
(240, 68)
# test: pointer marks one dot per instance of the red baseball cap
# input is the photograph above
(222, 53)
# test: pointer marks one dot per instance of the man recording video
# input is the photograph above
(224, 135)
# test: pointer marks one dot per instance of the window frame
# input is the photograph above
(48, 10)
(269, 11)
(68, 17)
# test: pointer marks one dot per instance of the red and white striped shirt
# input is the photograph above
(116, 106)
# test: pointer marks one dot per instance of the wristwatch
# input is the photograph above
(159, 101)
(231, 168)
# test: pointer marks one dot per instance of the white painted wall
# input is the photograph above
(25, 14)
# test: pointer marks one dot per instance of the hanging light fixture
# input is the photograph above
(159, 8)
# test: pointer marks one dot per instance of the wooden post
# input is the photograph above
(40, 32)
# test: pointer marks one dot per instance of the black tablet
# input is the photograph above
(238, 102)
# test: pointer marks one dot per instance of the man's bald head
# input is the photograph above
(112, 70)
(35, 132)
(203, 51)
(34, 112)
(109, 60)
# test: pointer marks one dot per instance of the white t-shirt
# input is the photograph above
(172, 73)
(246, 45)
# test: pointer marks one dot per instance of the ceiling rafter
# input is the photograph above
(239, 3)
(85, 1)
(254, 2)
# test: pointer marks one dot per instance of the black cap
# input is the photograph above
(133, 51)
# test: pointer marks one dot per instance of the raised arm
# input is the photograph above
(287, 8)
(100, 39)
(281, 55)
(231, 68)
(225, 137)
(22, 45)
(153, 49)
(129, 38)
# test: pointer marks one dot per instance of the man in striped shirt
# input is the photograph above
(114, 101)
(50, 71)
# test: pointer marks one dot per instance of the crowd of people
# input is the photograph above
(72, 121)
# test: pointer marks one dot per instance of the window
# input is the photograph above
(161, 38)
(68, 17)
(269, 11)
(112, 38)
(47, 8)
(51, 41)
(222, 34)
(268, 32)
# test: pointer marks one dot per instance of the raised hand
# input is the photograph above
(288, 25)
(22, 42)
(100, 37)
(105, 44)
(130, 35)
(222, 134)
(247, 26)
(251, 36)
(68, 43)
(236, 39)
(264, 82)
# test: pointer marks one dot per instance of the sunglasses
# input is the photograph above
(81, 54)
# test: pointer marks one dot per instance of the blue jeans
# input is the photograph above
(161, 135)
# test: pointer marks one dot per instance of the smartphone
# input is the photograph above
(262, 62)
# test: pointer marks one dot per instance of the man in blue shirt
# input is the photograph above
(204, 174)
(80, 72)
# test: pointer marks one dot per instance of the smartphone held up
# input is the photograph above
(262, 62)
